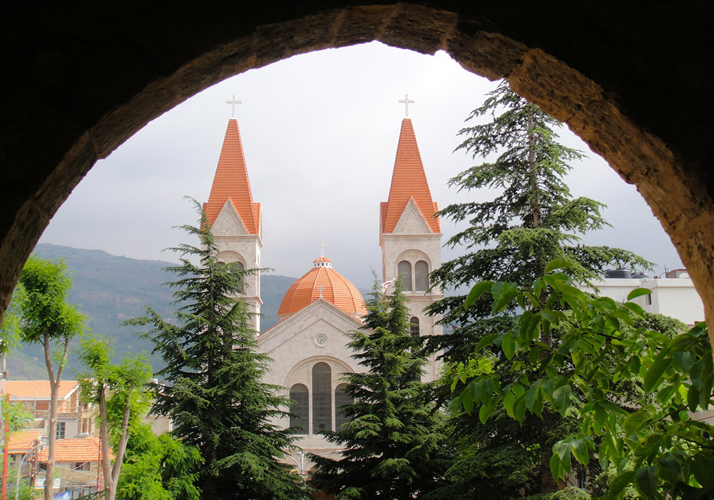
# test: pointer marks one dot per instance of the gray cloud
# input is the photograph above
(320, 134)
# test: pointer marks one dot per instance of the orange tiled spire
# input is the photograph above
(231, 183)
(408, 181)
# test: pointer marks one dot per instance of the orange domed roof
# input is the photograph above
(322, 282)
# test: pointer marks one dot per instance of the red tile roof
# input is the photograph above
(28, 389)
(75, 450)
(335, 289)
(408, 180)
(231, 182)
(22, 441)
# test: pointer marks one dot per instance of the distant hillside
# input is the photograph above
(111, 289)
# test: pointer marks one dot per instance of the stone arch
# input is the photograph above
(81, 80)
(229, 256)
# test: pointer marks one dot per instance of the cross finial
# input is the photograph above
(321, 288)
(406, 101)
(322, 247)
(233, 103)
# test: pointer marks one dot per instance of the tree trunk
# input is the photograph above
(535, 200)
(52, 431)
(547, 483)
(104, 438)
(123, 440)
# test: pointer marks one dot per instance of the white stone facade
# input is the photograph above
(673, 297)
(237, 245)
(413, 242)
(316, 334)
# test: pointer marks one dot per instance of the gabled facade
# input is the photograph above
(73, 417)
(309, 351)
(234, 218)
(410, 236)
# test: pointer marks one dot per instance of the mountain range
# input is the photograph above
(109, 290)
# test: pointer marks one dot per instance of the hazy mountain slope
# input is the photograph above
(111, 289)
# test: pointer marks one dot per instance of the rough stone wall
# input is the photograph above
(77, 79)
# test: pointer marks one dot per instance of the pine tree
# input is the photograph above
(214, 391)
(392, 445)
(532, 220)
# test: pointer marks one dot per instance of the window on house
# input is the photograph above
(60, 430)
(86, 425)
(42, 405)
(414, 323)
(421, 276)
(321, 397)
(405, 273)
(81, 466)
(341, 399)
(300, 410)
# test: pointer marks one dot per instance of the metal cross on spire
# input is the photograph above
(321, 288)
(322, 247)
(406, 101)
(233, 103)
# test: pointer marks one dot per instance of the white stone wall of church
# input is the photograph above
(411, 247)
(246, 250)
(295, 349)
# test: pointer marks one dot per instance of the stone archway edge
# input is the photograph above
(70, 139)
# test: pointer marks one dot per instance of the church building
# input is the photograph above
(308, 345)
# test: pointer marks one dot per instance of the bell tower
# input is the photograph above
(410, 232)
(233, 216)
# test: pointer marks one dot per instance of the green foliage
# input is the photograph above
(26, 491)
(569, 493)
(47, 319)
(214, 392)
(117, 386)
(393, 444)
(113, 288)
(14, 414)
(45, 313)
(532, 220)
(657, 446)
(158, 468)
(10, 332)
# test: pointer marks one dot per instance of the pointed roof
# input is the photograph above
(408, 181)
(231, 183)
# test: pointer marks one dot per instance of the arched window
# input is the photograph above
(300, 395)
(421, 276)
(321, 397)
(405, 272)
(414, 322)
(341, 399)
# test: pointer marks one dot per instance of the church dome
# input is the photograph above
(322, 282)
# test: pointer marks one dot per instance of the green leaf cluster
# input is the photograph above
(532, 219)
(158, 467)
(657, 444)
(45, 313)
(214, 391)
(393, 445)
(117, 386)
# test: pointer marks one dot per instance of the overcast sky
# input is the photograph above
(320, 135)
